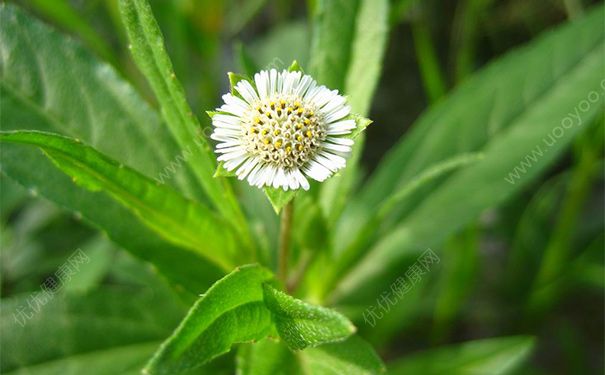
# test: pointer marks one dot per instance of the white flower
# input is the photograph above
(283, 129)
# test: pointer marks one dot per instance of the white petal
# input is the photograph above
(271, 178)
(229, 149)
(262, 84)
(247, 91)
(341, 141)
(252, 177)
(226, 121)
(280, 81)
(231, 155)
(291, 82)
(304, 85)
(227, 131)
(228, 144)
(292, 181)
(234, 163)
(337, 148)
(324, 97)
(317, 171)
(341, 127)
(343, 112)
(234, 105)
(336, 103)
(313, 91)
(245, 169)
(330, 161)
(264, 175)
(272, 81)
(279, 178)
(301, 179)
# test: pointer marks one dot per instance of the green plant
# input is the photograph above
(296, 297)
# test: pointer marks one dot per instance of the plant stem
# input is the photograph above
(284, 241)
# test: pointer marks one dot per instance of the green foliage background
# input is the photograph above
(464, 97)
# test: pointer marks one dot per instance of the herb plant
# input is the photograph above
(244, 236)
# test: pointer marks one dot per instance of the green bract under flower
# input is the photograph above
(282, 129)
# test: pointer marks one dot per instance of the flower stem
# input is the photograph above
(284, 241)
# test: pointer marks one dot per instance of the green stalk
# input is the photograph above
(284, 241)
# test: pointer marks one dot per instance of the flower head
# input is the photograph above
(282, 129)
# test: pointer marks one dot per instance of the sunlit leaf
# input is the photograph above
(85, 99)
(302, 325)
(148, 50)
(231, 311)
(185, 223)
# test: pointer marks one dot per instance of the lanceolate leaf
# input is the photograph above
(231, 311)
(85, 99)
(180, 221)
(508, 111)
(363, 72)
(333, 30)
(369, 43)
(497, 356)
(302, 325)
(148, 50)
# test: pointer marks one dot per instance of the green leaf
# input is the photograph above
(352, 357)
(369, 44)
(89, 102)
(266, 357)
(302, 325)
(279, 198)
(63, 14)
(506, 111)
(79, 97)
(369, 232)
(234, 78)
(333, 31)
(361, 123)
(363, 72)
(100, 252)
(295, 67)
(148, 50)
(492, 356)
(231, 311)
(182, 222)
(102, 332)
(222, 172)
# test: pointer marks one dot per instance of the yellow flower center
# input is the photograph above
(283, 130)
